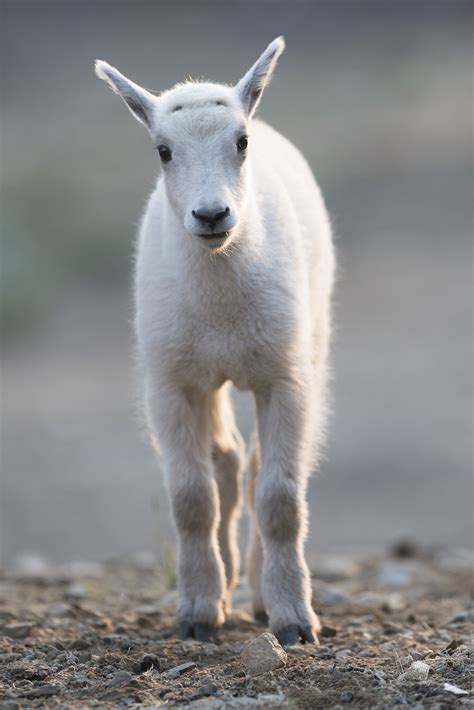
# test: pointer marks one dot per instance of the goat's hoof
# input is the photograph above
(261, 617)
(289, 635)
(201, 631)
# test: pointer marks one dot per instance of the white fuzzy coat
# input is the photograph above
(251, 308)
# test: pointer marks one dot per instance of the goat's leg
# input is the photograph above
(254, 551)
(285, 427)
(228, 453)
(181, 422)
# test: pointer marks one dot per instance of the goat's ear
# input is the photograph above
(138, 100)
(251, 86)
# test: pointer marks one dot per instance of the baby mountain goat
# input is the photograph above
(234, 275)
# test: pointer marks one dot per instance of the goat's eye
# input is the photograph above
(165, 153)
(242, 144)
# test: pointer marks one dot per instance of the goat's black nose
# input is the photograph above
(211, 217)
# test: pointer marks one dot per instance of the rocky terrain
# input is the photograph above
(395, 634)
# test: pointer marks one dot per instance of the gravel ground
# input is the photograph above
(395, 634)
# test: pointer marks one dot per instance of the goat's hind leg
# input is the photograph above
(228, 456)
(254, 561)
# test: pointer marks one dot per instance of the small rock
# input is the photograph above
(454, 689)
(336, 569)
(58, 609)
(346, 696)
(148, 610)
(462, 617)
(403, 548)
(17, 631)
(176, 671)
(263, 654)
(120, 678)
(460, 560)
(75, 591)
(451, 647)
(328, 631)
(205, 690)
(146, 561)
(418, 671)
(146, 663)
(328, 595)
(343, 654)
(393, 574)
(30, 564)
(394, 602)
(80, 568)
(42, 691)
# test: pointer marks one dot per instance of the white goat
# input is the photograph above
(233, 283)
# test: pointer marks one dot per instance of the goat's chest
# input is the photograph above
(228, 331)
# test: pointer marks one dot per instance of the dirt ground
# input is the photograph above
(103, 636)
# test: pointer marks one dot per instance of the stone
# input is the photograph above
(454, 689)
(120, 678)
(328, 631)
(346, 696)
(418, 671)
(462, 617)
(328, 595)
(176, 671)
(263, 654)
(75, 591)
(17, 631)
(42, 691)
(394, 574)
(336, 568)
(146, 663)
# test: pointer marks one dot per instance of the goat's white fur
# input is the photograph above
(252, 308)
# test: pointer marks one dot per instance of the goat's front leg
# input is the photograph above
(180, 420)
(285, 427)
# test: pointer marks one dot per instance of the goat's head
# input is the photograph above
(201, 132)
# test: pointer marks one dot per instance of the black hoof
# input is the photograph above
(288, 635)
(261, 617)
(292, 634)
(201, 631)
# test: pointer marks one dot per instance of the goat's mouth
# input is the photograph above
(214, 239)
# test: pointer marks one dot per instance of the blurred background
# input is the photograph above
(378, 95)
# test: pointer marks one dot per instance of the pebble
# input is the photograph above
(394, 602)
(328, 595)
(120, 678)
(454, 689)
(336, 568)
(343, 654)
(17, 631)
(146, 663)
(75, 591)
(461, 560)
(393, 574)
(176, 671)
(328, 631)
(461, 617)
(80, 568)
(29, 564)
(42, 691)
(418, 671)
(58, 609)
(263, 654)
(404, 547)
(346, 696)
